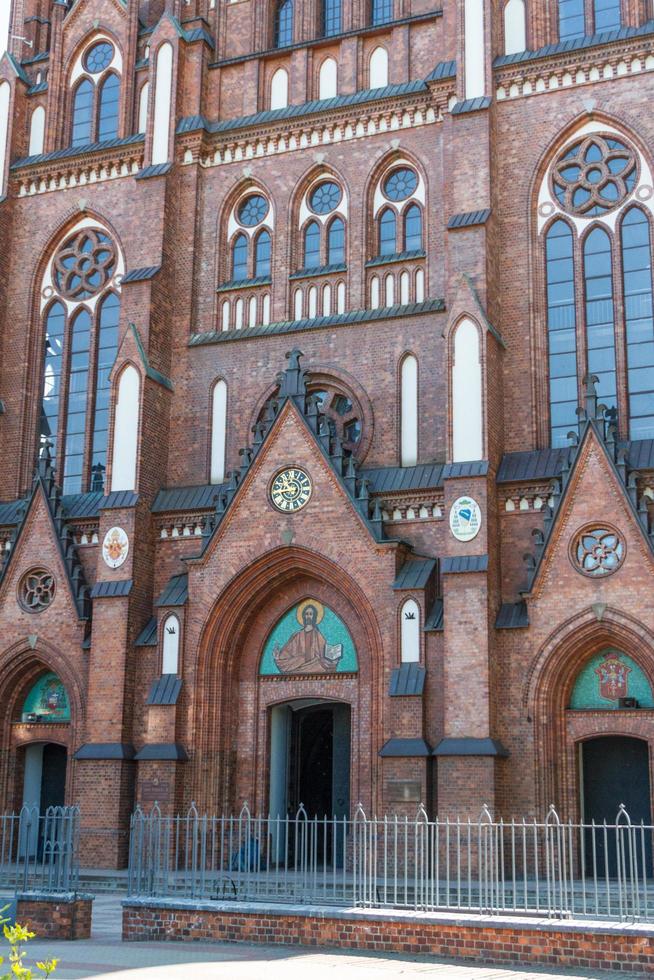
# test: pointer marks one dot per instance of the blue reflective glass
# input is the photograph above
(325, 197)
(55, 326)
(639, 322)
(109, 107)
(607, 15)
(387, 233)
(381, 11)
(82, 132)
(331, 17)
(571, 19)
(312, 246)
(336, 243)
(78, 387)
(561, 328)
(262, 255)
(109, 318)
(98, 57)
(402, 183)
(284, 24)
(600, 330)
(412, 228)
(253, 210)
(240, 258)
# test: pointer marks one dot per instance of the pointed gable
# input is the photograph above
(46, 499)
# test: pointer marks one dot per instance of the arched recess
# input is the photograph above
(546, 699)
(409, 411)
(515, 27)
(162, 103)
(475, 57)
(5, 93)
(37, 131)
(229, 652)
(144, 96)
(170, 645)
(466, 386)
(20, 668)
(328, 79)
(410, 632)
(126, 430)
(218, 431)
(279, 89)
(378, 69)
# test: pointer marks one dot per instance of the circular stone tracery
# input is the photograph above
(325, 197)
(400, 184)
(84, 264)
(252, 210)
(36, 590)
(598, 551)
(594, 176)
(98, 57)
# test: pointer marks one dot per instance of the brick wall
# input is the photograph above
(56, 917)
(487, 941)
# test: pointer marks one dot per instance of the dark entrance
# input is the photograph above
(615, 770)
(53, 778)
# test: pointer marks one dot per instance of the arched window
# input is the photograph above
(381, 11)
(80, 345)
(170, 645)
(412, 228)
(336, 243)
(607, 15)
(571, 19)
(109, 103)
(262, 253)
(163, 92)
(218, 431)
(600, 318)
(409, 411)
(387, 232)
(410, 632)
(327, 82)
(279, 89)
(5, 92)
(312, 245)
(331, 17)
(378, 68)
(284, 24)
(467, 429)
(126, 429)
(240, 258)
(561, 331)
(639, 322)
(515, 32)
(143, 107)
(37, 131)
(83, 113)
(96, 99)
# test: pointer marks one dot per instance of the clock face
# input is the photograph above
(290, 490)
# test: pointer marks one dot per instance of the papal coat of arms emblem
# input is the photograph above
(115, 547)
(613, 676)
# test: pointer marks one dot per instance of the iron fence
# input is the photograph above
(40, 851)
(546, 868)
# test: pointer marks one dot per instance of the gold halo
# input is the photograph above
(320, 610)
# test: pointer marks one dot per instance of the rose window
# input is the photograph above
(342, 416)
(598, 551)
(253, 210)
(37, 590)
(402, 183)
(594, 176)
(98, 57)
(84, 264)
(325, 197)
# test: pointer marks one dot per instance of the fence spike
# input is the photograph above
(552, 817)
(422, 813)
(360, 813)
(245, 813)
(301, 812)
(622, 813)
(485, 816)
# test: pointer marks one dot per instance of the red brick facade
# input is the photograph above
(501, 647)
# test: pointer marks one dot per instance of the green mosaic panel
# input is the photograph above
(586, 692)
(327, 648)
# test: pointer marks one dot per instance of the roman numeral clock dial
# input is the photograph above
(291, 490)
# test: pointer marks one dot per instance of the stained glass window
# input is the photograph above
(600, 317)
(561, 331)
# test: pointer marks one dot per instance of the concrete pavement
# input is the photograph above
(106, 956)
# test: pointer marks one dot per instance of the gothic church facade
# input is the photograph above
(326, 408)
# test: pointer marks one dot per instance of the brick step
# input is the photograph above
(96, 880)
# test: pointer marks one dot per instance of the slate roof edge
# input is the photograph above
(335, 320)
(405, 748)
(105, 750)
(73, 151)
(169, 751)
(470, 747)
(150, 372)
(599, 39)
